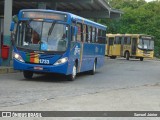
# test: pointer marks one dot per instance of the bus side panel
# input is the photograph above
(86, 53)
(116, 50)
(73, 57)
(92, 52)
(88, 56)
(126, 48)
(100, 55)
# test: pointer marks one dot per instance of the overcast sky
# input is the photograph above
(148, 0)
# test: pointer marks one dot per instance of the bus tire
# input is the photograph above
(72, 76)
(141, 59)
(92, 72)
(113, 57)
(127, 55)
(27, 74)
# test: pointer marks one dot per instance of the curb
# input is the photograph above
(5, 70)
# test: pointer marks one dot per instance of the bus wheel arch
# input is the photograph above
(141, 58)
(124, 54)
(127, 55)
(73, 75)
(113, 57)
(76, 62)
(27, 74)
(92, 72)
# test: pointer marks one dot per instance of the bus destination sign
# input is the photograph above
(44, 15)
(146, 37)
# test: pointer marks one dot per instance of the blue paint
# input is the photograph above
(83, 53)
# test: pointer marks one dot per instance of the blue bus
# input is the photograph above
(49, 41)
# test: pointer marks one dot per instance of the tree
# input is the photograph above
(139, 17)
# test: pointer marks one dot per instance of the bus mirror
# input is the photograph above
(12, 26)
(75, 30)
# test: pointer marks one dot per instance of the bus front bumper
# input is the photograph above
(61, 69)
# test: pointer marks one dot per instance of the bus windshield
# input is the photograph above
(42, 36)
(147, 44)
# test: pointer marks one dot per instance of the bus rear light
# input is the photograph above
(18, 57)
(61, 61)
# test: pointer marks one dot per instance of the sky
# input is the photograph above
(148, 0)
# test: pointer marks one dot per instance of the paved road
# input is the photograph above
(119, 80)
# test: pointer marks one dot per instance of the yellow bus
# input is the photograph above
(113, 46)
(138, 46)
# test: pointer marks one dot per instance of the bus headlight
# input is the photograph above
(18, 57)
(61, 61)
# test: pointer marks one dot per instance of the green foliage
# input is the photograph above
(139, 17)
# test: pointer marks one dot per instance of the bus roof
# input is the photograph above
(132, 35)
(113, 35)
(72, 16)
(86, 21)
(138, 35)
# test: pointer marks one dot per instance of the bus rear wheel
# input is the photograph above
(141, 59)
(28, 74)
(112, 57)
(127, 55)
(72, 76)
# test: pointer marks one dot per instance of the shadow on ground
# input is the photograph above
(57, 78)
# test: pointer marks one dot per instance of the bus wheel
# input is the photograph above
(141, 59)
(72, 76)
(92, 72)
(112, 57)
(127, 55)
(28, 74)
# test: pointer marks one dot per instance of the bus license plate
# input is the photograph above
(38, 68)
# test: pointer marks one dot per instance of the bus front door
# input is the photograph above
(122, 47)
(134, 46)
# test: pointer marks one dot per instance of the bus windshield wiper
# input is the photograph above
(51, 28)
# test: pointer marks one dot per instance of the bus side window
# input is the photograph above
(73, 39)
(79, 34)
(125, 40)
(111, 40)
(103, 36)
(122, 40)
(99, 36)
(128, 40)
(84, 32)
(74, 36)
(89, 39)
(93, 35)
(87, 33)
(117, 40)
(97, 41)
